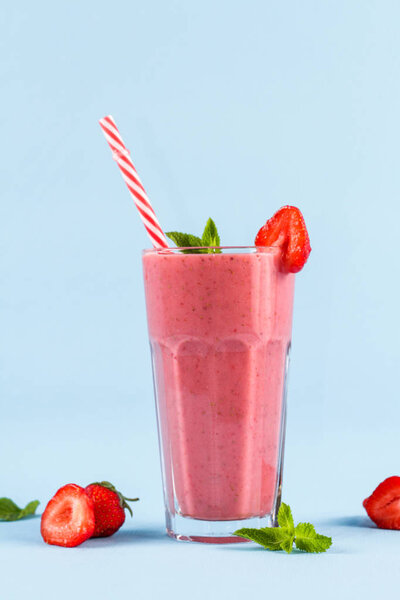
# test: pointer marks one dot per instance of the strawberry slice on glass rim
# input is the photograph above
(287, 230)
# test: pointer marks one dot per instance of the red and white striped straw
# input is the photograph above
(131, 178)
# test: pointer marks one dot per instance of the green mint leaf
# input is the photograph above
(187, 240)
(271, 538)
(285, 518)
(184, 240)
(287, 543)
(281, 538)
(210, 236)
(29, 509)
(309, 540)
(9, 511)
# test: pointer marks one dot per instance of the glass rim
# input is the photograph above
(175, 249)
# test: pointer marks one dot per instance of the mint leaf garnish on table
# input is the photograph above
(210, 237)
(285, 517)
(303, 535)
(9, 511)
(309, 540)
(271, 538)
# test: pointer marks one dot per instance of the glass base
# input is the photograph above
(186, 529)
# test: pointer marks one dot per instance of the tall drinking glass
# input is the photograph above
(220, 330)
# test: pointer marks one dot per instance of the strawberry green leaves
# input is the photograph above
(207, 244)
(303, 535)
(9, 511)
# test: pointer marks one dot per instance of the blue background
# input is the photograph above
(230, 109)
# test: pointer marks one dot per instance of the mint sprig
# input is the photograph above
(9, 511)
(303, 535)
(209, 238)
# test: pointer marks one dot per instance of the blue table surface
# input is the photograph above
(142, 562)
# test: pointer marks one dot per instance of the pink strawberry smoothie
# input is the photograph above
(220, 330)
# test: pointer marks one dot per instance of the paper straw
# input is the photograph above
(122, 157)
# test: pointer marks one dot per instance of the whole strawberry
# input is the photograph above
(109, 508)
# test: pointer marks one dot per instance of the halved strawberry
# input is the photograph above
(68, 519)
(383, 505)
(287, 230)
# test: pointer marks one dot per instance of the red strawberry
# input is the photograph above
(109, 507)
(383, 505)
(287, 229)
(68, 519)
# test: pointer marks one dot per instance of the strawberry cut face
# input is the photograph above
(383, 505)
(287, 230)
(68, 519)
